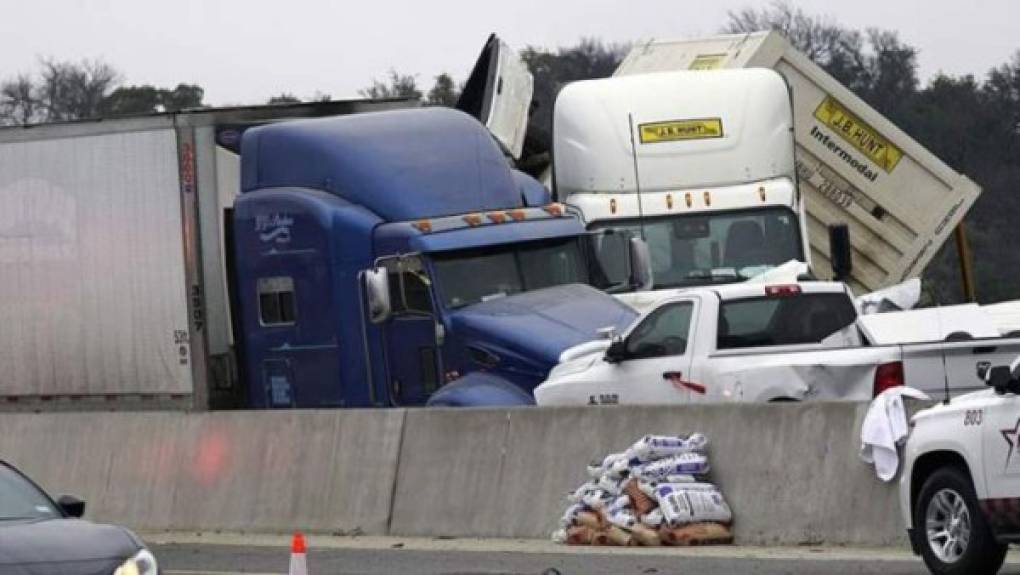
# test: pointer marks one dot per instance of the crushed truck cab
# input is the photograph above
(382, 256)
(960, 481)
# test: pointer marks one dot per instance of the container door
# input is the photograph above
(498, 92)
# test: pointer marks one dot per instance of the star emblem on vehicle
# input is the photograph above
(1011, 437)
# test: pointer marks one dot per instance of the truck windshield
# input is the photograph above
(721, 247)
(470, 276)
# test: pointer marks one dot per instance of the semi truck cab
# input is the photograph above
(382, 256)
(699, 164)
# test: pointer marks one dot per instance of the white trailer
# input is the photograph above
(113, 267)
(853, 165)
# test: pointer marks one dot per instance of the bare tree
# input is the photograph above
(18, 104)
(70, 91)
(444, 92)
(399, 86)
(817, 37)
(65, 90)
(875, 64)
(284, 98)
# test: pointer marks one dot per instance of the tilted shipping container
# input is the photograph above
(853, 165)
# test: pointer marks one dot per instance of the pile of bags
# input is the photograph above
(655, 493)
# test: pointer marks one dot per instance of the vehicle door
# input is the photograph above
(657, 360)
(412, 355)
(1000, 431)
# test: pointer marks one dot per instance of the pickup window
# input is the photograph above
(783, 320)
(664, 332)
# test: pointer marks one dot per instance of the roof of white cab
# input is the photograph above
(683, 129)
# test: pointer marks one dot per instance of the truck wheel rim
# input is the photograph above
(947, 524)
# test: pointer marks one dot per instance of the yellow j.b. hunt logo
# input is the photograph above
(860, 135)
(680, 130)
(707, 62)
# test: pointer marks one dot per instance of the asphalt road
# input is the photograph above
(371, 556)
(219, 560)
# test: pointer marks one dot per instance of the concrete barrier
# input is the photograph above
(790, 472)
(325, 471)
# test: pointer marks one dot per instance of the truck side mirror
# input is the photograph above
(982, 369)
(839, 252)
(377, 294)
(1000, 377)
(640, 265)
(616, 352)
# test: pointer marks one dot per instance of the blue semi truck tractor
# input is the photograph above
(395, 258)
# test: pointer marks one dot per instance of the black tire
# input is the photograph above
(980, 554)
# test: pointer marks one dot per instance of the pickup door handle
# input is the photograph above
(676, 378)
(985, 349)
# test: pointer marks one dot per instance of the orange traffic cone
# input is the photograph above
(298, 564)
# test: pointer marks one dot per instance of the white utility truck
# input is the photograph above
(853, 165)
(700, 164)
(755, 341)
(960, 481)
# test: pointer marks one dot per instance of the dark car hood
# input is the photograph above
(63, 546)
(539, 325)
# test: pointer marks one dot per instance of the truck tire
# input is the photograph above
(951, 530)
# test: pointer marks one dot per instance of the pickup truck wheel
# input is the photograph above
(954, 536)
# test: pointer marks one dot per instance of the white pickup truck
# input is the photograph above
(960, 481)
(757, 342)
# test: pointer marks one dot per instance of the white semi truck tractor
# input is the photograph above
(701, 164)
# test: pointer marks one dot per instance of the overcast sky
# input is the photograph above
(244, 51)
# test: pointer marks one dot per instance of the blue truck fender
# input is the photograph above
(480, 389)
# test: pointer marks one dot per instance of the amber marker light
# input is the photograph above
(554, 209)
